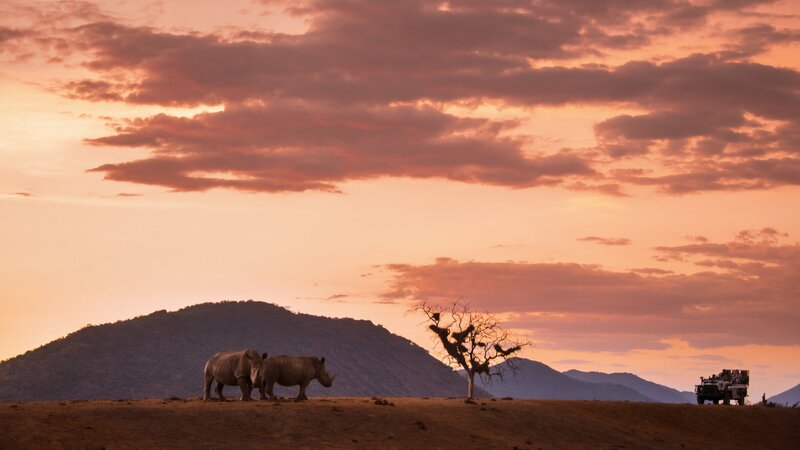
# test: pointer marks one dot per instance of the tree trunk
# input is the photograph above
(470, 384)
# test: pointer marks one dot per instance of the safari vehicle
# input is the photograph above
(726, 386)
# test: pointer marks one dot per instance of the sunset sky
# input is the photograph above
(619, 180)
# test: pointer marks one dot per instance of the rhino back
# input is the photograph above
(290, 370)
(224, 365)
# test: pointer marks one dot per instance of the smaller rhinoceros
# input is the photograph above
(294, 371)
(242, 368)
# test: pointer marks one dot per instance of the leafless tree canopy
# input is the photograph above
(471, 340)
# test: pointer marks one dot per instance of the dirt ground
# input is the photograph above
(405, 423)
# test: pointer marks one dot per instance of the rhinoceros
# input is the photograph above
(242, 368)
(294, 371)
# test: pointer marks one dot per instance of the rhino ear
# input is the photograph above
(264, 356)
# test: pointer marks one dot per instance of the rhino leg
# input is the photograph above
(246, 388)
(219, 391)
(270, 393)
(261, 394)
(207, 387)
(302, 394)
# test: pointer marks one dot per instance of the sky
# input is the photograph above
(617, 180)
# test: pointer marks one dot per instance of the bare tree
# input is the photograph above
(472, 340)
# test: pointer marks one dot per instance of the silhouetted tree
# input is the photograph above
(471, 340)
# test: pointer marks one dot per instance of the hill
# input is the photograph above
(787, 398)
(163, 354)
(410, 423)
(534, 380)
(657, 392)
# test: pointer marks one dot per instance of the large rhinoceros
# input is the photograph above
(294, 371)
(242, 368)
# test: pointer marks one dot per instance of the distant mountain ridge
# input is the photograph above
(789, 397)
(657, 392)
(535, 380)
(163, 354)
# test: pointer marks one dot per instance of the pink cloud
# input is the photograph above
(671, 124)
(759, 38)
(756, 300)
(299, 147)
(606, 241)
(9, 34)
(761, 246)
(652, 271)
(715, 121)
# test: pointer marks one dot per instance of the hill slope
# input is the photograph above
(410, 423)
(534, 380)
(787, 398)
(163, 354)
(657, 392)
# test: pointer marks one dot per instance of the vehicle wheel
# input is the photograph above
(700, 400)
(716, 401)
(741, 401)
